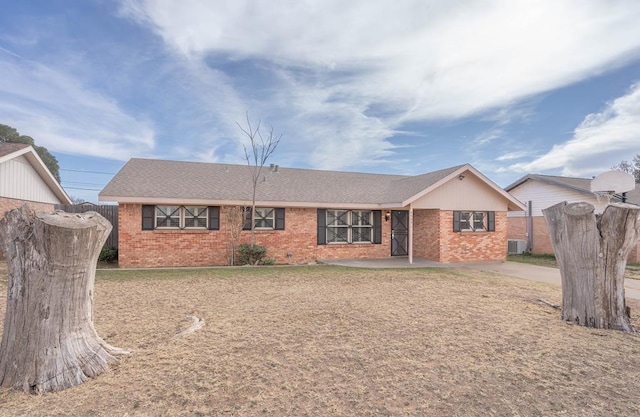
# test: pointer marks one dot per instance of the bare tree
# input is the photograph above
(256, 154)
(630, 168)
(235, 222)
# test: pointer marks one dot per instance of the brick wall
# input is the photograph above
(517, 229)
(433, 239)
(8, 204)
(472, 246)
(426, 234)
(296, 244)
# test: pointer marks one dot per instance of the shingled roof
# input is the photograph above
(7, 148)
(148, 180)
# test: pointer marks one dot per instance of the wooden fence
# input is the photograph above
(108, 212)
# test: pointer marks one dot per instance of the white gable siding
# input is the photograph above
(545, 195)
(19, 180)
(470, 193)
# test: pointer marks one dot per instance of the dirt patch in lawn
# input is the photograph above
(332, 341)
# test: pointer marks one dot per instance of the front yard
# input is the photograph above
(323, 340)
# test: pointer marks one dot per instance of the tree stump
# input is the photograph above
(49, 342)
(592, 255)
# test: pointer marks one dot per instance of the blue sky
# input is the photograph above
(402, 87)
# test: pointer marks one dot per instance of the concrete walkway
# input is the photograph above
(512, 269)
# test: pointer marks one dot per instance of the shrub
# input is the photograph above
(251, 254)
(108, 254)
(268, 261)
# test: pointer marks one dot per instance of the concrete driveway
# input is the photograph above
(512, 269)
(542, 274)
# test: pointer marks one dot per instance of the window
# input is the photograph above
(266, 218)
(195, 217)
(180, 217)
(361, 226)
(167, 216)
(348, 226)
(337, 226)
(474, 221)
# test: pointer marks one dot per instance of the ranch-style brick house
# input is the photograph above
(174, 213)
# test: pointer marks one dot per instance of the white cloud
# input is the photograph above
(371, 67)
(64, 116)
(602, 140)
(427, 59)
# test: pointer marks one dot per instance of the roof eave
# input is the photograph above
(263, 203)
(547, 181)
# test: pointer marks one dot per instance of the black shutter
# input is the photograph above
(456, 221)
(214, 218)
(148, 213)
(377, 226)
(491, 221)
(322, 227)
(247, 219)
(279, 218)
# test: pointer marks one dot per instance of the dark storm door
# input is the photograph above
(399, 233)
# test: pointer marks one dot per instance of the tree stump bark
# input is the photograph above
(49, 342)
(592, 255)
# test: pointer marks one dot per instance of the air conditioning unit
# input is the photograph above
(516, 246)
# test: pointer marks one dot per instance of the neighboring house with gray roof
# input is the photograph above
(537, 192)
(174, 213)
(24, 178)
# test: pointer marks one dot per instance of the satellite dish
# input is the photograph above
(614, 182)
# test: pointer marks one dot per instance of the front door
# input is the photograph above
(399, 233)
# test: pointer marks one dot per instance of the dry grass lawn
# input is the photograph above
(321, 340)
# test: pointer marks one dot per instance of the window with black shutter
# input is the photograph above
(474, 221)
(180, 217)
(349, 226)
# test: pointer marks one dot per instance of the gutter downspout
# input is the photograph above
(530, 226)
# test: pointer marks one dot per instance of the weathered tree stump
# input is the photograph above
(49, 342)
(592, 255)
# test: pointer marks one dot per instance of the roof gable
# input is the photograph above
(14, 151)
